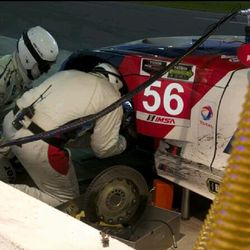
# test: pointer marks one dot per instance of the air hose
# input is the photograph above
(227, 225)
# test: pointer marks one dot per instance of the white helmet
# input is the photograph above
(111, 73)
(37, 50)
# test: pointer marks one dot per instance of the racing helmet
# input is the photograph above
(111, 73)
(37, 50)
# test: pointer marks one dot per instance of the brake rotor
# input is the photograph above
(118, 195)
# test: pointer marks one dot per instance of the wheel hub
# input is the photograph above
(116, 202)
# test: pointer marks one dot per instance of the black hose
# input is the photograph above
(90, 118)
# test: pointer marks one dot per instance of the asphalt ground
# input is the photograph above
(91, 24)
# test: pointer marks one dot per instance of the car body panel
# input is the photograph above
(194, 107)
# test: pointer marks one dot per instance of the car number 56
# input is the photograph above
(168, 97)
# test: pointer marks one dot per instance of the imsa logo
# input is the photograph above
(161, 119)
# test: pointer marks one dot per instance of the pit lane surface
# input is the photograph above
(84, 24)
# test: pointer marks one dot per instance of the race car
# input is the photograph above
(192, 110)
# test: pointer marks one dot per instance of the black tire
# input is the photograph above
(117, 195)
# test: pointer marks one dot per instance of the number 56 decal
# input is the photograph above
(164, 100)
(168, 97)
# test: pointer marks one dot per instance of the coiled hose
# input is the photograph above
(227, 225)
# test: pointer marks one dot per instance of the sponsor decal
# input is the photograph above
(206, 113)
(152, 66)
(206, 124)
(161, 119)
(213, 186)
(183, 72)
(165, 120)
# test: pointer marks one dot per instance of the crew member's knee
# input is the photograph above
(38, 194)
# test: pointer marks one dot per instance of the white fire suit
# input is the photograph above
(13, 81)
(73, 94)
